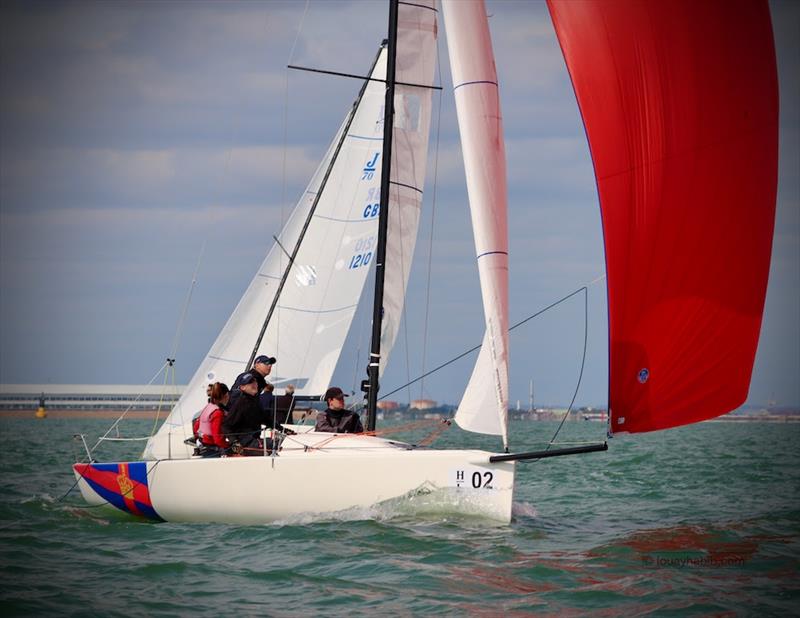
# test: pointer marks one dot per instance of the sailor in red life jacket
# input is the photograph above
(196, 418)
(210, 421)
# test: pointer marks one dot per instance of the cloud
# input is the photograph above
(133, 133)
(188, 178)
(110, 75)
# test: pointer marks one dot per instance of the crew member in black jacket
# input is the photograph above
(336, 419)
(243, 422)
(262, 367)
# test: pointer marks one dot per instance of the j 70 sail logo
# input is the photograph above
(371, 167)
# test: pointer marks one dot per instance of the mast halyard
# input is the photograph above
(311, 211)
(373, 368)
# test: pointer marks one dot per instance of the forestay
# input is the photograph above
(484, 406)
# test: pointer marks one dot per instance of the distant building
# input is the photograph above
(423, 404)
(89, 396)
(388, 405)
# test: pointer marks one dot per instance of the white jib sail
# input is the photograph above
(484, 406)
(416, 56)
(319, 298)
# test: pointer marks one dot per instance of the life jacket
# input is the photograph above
(196, 425)
(204, 424)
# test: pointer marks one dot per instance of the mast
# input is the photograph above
(530, 399)
(373, 368)
(311, 212)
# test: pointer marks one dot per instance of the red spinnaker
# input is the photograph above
(680, 103)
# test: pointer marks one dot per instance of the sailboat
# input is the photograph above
(682, 123)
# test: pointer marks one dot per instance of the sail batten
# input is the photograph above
(680, 104)
(484, 405)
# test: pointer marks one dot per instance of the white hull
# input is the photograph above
(312, 474)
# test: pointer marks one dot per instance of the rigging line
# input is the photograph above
(477, 347)
(430, 237)
(435, 433)
(404, 276)
(361, 77)
(128, 409)
(583, 362)
(74, 485)
(174, 389)
(161, 399)
(181, 320)
(283, 171)
(278, 242)
(177, 338)
(297, 34)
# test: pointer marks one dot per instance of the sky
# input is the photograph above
(131, 134)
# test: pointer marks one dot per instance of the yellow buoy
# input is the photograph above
(41, 412)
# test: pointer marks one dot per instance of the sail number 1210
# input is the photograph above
(363, 252)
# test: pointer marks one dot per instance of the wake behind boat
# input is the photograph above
(674, 109)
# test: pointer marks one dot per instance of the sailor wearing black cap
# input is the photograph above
(243, 422)
(262, 367)
(336, 419)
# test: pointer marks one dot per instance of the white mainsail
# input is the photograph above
(319, 298)
(484, 406)
(416, 56)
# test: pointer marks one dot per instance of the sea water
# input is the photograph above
(692, 521)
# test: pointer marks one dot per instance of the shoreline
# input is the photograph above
(152, 414)
(102, 414)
